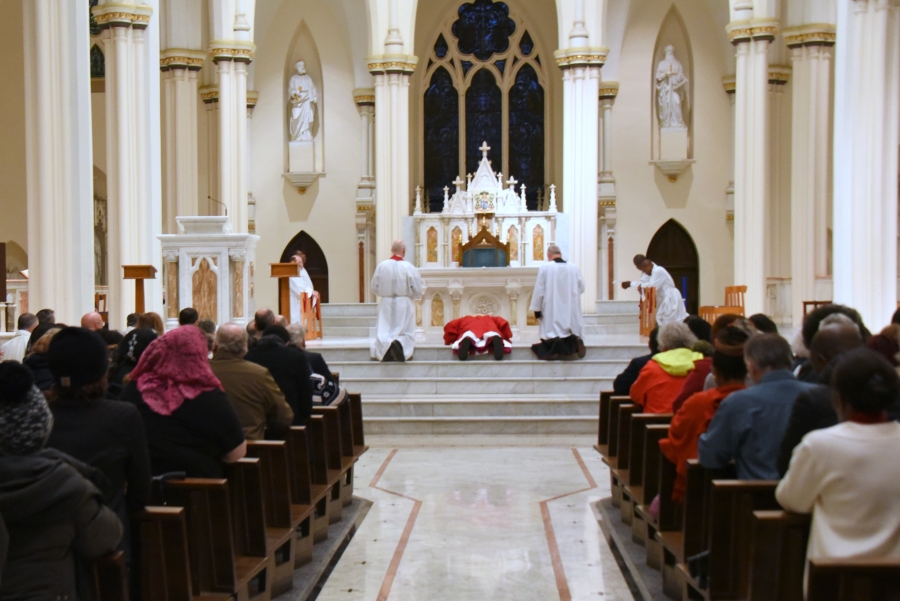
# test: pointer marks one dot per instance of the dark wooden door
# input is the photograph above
(673, 248)
(316, 264)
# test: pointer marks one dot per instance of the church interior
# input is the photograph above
(173, 162)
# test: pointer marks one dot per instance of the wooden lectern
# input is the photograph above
(310, 315)
(139, 273)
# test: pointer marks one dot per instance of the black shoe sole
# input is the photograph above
(464, 347)
(582, 351)
(498, 348)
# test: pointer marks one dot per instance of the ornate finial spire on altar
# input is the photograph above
(511, 182)
(553, 208)
(447, 196)
(524, 200)
(485, 149)
(418, 209)
(458, 182)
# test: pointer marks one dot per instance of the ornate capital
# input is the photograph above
(231, 50)
(122, 15)
(609, 89)
(209, 94)
(752, 29)
(779, 74)
(170, 256)
(585, 56)
(252, 98)
(813, 34)
(180, 58)
(364, 97)
(237, 255)
(729, 82)
(392, 63)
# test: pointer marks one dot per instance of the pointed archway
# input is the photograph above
(673, 248)
(316, 264)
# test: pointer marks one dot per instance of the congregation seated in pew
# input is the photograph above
(625, 380)
(663, 377)
(191, 427)
(847, 475)
(288, 367)
(700, 378)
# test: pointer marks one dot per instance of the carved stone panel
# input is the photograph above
(172, 290)
(238, 293)
(483, 304)
(456, 239)
(512, 237)
(205, 294)
(432, 242)
(437, 311)
(537, 243)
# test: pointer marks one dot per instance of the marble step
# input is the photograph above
(479, 406)
(330, 331)
(611, 319)
(510, 385)
(524, 425)
(597, 368)
(609, 329)
(359, 351)
(622, 307)
(349, 310)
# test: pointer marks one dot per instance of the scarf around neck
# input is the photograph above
(174, 369)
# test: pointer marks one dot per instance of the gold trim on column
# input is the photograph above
(591, 56)
(252, 98)
(729, 82)
(181, 58)
(231, 50)
(364, 96)
(812, 34)
(209, 94)
(609, 89)
(606, 203)
(752, 29)
(779, 74)
(122, 15)
(392, 63)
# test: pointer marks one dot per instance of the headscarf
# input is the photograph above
(134, 345)
(173, 369)
(25, 418)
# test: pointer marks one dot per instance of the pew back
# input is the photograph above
(854, 580)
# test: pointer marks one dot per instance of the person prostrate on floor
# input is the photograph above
(847, 476)
(397, 283)
(669, 304)
(556, 303)
(479, 334)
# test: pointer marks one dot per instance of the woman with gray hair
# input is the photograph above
(662, 379)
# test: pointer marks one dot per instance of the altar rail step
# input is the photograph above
(550, 386)
(565, 425)
(477, 406)
(592, 368)
(360, 353)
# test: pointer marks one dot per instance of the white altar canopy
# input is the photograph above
(483, 200)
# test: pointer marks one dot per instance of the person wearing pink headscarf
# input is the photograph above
(191, 427)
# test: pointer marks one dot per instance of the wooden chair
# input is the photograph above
(734, 297)
(648, 311)
(813, 305)
(311, 316)
(778, 555)
(854, 580)
(711, 314)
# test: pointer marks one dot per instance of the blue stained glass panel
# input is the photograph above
(466, 66)
(98, 63)
(484, 120)
(501, 65)
(526, 44)
(526, 133)
(440, 47)
(483, 28)
(441, 137)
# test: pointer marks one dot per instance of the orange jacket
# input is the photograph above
(687, 425)
(655, 390)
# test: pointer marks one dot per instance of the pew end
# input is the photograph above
(854, 579)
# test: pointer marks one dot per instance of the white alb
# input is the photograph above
(398, 284)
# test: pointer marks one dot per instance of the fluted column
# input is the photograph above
(179, 68)
(606, 193)
(391, 75)
(867, 107)
(134, 198)
(581, 87)
(58, 157)
(751, 169)
(811, 53)
(365, 191)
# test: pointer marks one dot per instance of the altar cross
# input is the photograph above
(484, 149)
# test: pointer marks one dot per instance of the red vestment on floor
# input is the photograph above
(480, 329)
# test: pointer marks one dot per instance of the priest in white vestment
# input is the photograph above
(556, 303)
(669, 303)
(299, 285)
(397, 283)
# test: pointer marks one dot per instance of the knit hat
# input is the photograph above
(25, 418)
(77, 357)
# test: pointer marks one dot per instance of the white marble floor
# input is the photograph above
(477, 524)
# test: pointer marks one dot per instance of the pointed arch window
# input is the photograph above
(483, 83)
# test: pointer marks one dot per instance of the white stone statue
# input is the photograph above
(303, 95)
(671, 87)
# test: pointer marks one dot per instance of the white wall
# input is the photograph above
(645, 198)
(327, 210)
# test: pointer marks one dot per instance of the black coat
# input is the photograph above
(39, 365)
(55, 517)
(317, 365)
(290, 369)
(625, 380)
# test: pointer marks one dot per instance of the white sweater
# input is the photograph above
(848, 476)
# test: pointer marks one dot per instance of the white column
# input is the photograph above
(581, 87)
(606, 194)
(180, 68)
(210, 97)
(252, 98)
(867, 106)
(729, 84)
(751, 169)
(391, 148)
(811, 48)
(365, 190)
(58, 157)
(133, 151)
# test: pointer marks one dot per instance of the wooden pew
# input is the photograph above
(322, 480)
(778, 555)
(305, 497)
(611, 458)
(645, 525)
(854, 579)
(165, 573)
(333, 459)
(603, 423)
(619, 474)
(731, 507)
(216, 566)
(281, 522)
(356, 415)
(633, 493)
(110, 577)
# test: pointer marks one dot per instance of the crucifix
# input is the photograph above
(484, 149)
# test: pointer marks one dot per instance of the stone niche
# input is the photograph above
(210, 269)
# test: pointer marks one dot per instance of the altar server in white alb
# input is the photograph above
(669, 304)
(556, 302)
(397, 282)
(299, 285)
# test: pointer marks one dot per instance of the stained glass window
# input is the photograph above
(441, 137)
(94, 26)
(484, 120)
(483, 28)
(526, 132)
(526, 44)
(440, 47)
(98, 62)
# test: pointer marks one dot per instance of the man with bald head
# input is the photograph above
(92, 321)
(397, 282)
(250, 388)
(813, 409)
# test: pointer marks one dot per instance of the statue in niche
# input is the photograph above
(437, 311)
(432, 245)
(205, 293)
(303, 95)
(671, 87)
